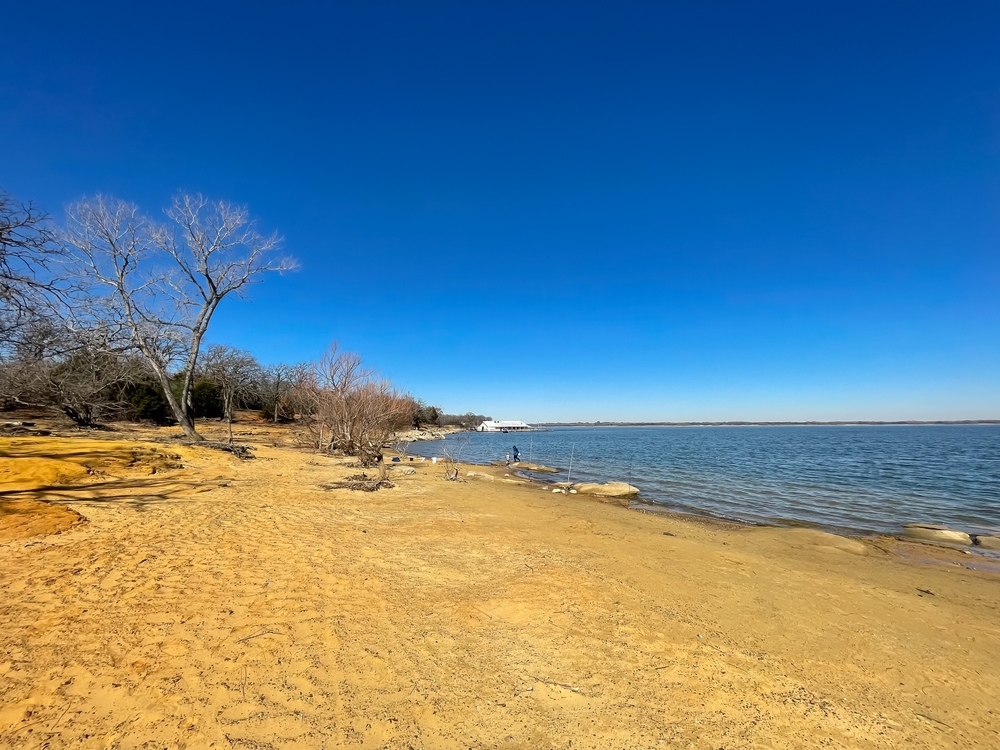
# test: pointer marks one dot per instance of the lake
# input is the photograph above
(847, 479)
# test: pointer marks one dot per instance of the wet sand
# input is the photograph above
(209, 602)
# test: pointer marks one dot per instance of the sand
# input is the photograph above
(209, 602)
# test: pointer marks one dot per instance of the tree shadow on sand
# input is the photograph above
(136, 492)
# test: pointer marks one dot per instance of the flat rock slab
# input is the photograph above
(610, 489)
(826, 542)
(989, 542)
(534, 467)
(480, 475)
(936, 533)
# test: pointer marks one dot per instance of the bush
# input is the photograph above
(426, 415)
(206, 399)
(145, 402)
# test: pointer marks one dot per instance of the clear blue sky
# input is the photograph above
(701, 210)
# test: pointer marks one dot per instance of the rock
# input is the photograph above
(611, 489)
(534, 467)
(989, 542)
(572, 492)
(559, 490)
(480, 475)
(935, 533)
(404, 470)
(825, 542)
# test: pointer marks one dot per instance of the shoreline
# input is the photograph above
(648, 505)
(223, 602)
(652, 506)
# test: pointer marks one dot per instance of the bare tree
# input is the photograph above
(277, 384)
(78, 373)
(236, 373)
(452, 454)
(27, 254)
(296, 399)
(352, 408)
(163, 283)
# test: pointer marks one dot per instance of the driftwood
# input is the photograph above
(242, 452)
(258, 635)
(361, 483)
(18, 431)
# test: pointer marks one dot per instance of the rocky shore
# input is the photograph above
(944, 535)
(426, 433)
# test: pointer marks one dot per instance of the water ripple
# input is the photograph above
(859, 479)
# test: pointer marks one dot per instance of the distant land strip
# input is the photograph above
(764, 424)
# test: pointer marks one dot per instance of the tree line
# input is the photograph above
(427, 415)
(104, 317)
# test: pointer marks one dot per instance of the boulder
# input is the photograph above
(610, 489)
(404, 470)
(934, 533)
(480, 475)
(989, 542)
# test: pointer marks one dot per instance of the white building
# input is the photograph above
(504, 425)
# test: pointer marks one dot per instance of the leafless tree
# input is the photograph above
(353, 409)
(78, 373)
(27, 257)
(237, 375)
(278, 382)
(452, 454)
(163, 283)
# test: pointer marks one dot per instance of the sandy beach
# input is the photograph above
(193, 600)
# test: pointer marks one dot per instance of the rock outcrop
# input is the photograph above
(934, 533)
(610, 489)
(989, 542)
(416, 436)
(533, 467)
(825, 542)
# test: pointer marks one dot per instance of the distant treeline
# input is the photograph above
(426, 415)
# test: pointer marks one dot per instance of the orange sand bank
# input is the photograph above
(215, 603)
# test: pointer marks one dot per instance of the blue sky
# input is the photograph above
(564, 210)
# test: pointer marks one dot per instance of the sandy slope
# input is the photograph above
(241, 605)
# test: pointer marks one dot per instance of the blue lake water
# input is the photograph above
(853, 479)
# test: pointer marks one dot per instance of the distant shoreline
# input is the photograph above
(767, 424)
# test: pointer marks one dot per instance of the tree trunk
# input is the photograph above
(181, 414)
(79, 417)
(187, 424)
